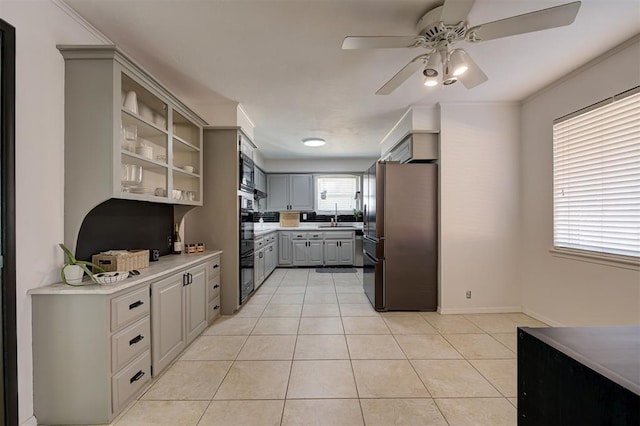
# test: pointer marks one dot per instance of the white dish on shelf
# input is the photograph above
(111, 277)
(189, 169)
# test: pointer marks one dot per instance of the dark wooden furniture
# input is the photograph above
(579, 376)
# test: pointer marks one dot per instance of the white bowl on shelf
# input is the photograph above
(189, 169)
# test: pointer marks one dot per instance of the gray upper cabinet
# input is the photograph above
(301, 192)
(126, 137)
(277, 192)
(260, 180)
(289, 192)
(415, 147)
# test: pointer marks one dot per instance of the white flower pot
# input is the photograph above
(73, 273)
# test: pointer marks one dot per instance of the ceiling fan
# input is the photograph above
(443, 27)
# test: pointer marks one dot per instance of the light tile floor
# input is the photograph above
(308, 349)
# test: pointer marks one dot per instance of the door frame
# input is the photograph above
(8, 206)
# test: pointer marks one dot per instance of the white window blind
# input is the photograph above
(596, 178)
(340, 190)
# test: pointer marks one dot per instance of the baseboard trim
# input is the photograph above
(542, 318)
(31, 421)
(481, 310)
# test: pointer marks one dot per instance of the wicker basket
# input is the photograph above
(132, 259)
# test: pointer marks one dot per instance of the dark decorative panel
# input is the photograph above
(125, 224)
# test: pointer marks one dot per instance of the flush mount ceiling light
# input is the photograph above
(313, 142)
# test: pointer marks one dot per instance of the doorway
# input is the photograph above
(8, 336)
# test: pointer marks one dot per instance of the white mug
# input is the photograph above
(131, 101)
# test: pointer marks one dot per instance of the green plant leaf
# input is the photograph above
(70, 258)
(93, 265)
(86, 269)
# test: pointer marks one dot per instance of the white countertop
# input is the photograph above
(165, 266)
(260, 229)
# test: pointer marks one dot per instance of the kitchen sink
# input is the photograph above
(337, 226)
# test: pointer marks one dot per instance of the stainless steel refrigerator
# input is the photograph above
(400, 243)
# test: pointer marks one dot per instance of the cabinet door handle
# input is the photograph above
(216, 286)
(216, 266)
(136, 304)
(137, 376)
(136, 339)
(216, 307)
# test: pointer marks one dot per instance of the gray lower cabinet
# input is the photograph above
(213, 289)
(285, 255)
(95, 348)
(271, 254)
(339, 248)
(331, 248)
(91, 354)
(307, 249)
(265, 259)
(179, 314)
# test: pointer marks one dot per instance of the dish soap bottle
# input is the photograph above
(177, 242)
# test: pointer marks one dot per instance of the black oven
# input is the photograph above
(246, 168)
(246, 254)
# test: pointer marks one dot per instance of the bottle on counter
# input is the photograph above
(177, 242)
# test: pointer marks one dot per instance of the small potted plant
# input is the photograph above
(73, 270)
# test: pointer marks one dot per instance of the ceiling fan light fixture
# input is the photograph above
(430, 77)
(313, 142)
(458, 62)
(431, 81)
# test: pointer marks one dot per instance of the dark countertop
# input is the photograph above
(613, 352)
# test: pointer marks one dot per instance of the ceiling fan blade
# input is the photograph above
(455, 11)
(474, 75)
(402, 75)
(380, 42)
(552, 17)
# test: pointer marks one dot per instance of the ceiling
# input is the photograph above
(282, 61)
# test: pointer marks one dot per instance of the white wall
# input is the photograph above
(479, 217)
(563, 291)
(40, 25)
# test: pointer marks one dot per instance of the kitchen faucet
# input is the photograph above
(336, 213)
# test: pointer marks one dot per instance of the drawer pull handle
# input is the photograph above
(216, 266)
(136, 304)
(216, 286)
(216, 307)
(137, 376)
(136, 339)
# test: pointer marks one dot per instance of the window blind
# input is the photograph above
(596, 178)
(336, 189)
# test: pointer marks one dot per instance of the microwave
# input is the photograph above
(246, 173)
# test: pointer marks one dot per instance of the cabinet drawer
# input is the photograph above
(314, 235)
(213, 290)
(213, 310)
(126, 384)
(129, 307)
(213, 269)
(129, 343)
(338, 235)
